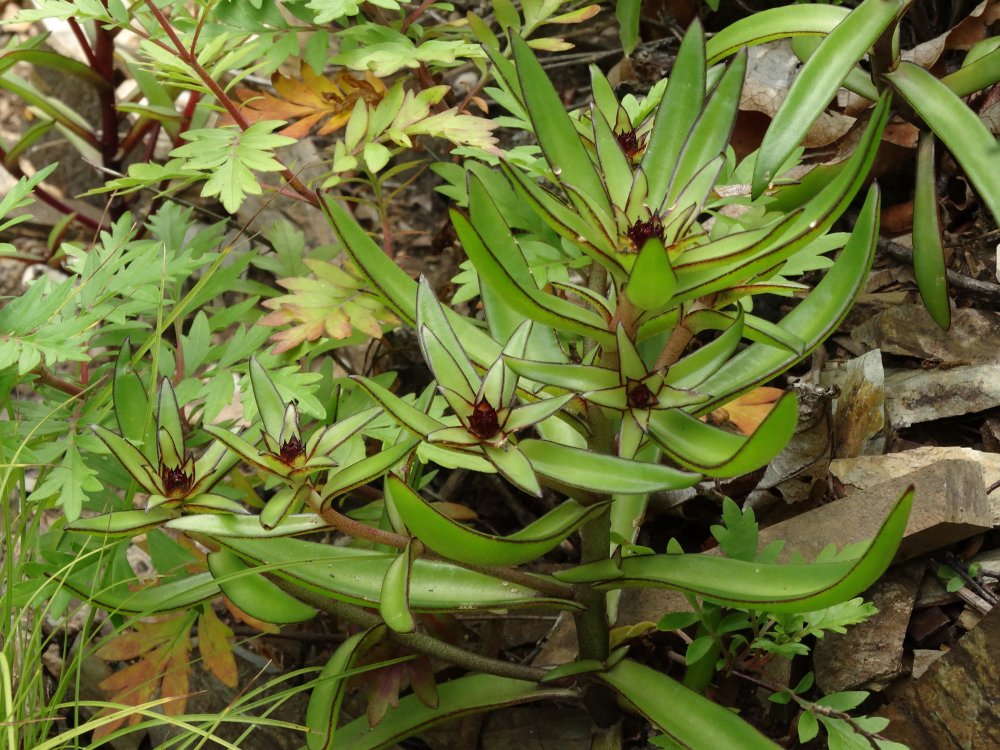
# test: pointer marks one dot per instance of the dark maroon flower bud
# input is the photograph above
(640, 397)
(484, 423)
(175, 480)
(629, 142)
(641, 231)
(290, 450)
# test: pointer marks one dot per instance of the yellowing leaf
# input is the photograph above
(750, 409)
(215, 648)
(308, 102)
(334, 302)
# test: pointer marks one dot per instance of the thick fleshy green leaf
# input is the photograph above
(168, 420)
(928, 254)
(817, 84)
(572, 377)
(593, 241)
(975, 74)
(407, 415)
(166, 597)
(394, 604)
(615, 166)
(448, 356)
(212, 466)
(798, 587)
(688, 718)
(249, 452)
(356, 575)
(326, 698)
(602, 473)
(130, 457)
(710, 133)
(491, 246)
(680, 107)
(209, 502)
(774, 23)
(974, 147)
(696, 367)
(513, 464)
(253, 593)
(269, 403)
(283, 502)
(130, 398)
(815, 318)
(367, 469)
(754, 328)
(246, 527)
(466, 695)
(451, 539)
(395, 288)
(122, 523)
(322, 442)
(652, 280)
(509, 275)
(557, 135)
(526, 415)
(701, 447)
(627, 15)
(446, 367)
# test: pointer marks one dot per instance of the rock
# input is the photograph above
(950, 505)
(870, 654)
(927, 622)
(922, 660)
(859, 413)
(955, 704)
(915, 396)
(866, 472)
(974, 336)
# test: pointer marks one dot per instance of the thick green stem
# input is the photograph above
(420, 642)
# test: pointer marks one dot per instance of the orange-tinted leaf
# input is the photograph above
(253, 622)
(176, 678)
(136, 675)
(750, 409)
(146, 637)
(309, 101)
(456, 512)
(215, 648)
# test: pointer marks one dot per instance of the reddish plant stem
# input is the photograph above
(104, 65)
(415, 15)
(84, 43)
(222, 97)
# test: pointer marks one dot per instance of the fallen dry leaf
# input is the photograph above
(307, 102)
